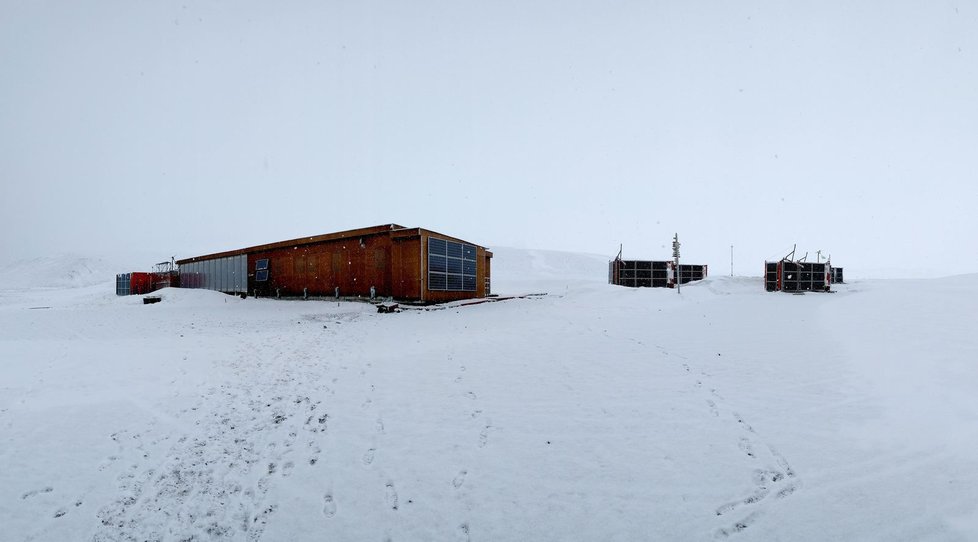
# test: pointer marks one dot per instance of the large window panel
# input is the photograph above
(454, 282)
(455, 250)
(436, 246)
(438, 264)
(437, 281)
(451, 266)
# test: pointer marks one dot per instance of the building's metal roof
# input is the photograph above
(401, 231)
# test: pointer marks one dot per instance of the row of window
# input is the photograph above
(451, 266)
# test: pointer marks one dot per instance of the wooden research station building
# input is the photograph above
(410, 264)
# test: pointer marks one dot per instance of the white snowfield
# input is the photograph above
(592, 413)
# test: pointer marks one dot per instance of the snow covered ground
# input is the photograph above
(592, 413)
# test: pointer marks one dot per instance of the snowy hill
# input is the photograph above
(592, 413)
(527, 270)
(65, 271)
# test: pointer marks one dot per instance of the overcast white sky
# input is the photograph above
(190, 127)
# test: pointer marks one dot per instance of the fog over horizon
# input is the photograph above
(181, 129)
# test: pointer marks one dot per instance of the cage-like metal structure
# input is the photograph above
(652, 273)
(792, 276)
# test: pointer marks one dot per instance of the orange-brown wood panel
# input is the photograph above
(353, 265)
(406, 268)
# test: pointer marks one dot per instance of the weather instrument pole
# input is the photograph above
(731, 260)
(675, 254)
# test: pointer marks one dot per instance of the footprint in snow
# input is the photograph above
(763, 477)
(30, 494)
(740, 420)
(329, 506)
(739, 526)
(391, 496)
(787, 491)
(368, 456)
(755, 497)
(459, 479)
(746, 446)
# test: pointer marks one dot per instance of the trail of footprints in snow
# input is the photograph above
(60, 512)
(779, 481)
(215, 484)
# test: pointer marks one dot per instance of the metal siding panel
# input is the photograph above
(224, 274)
(233, 276)
(236, 270)
(209, 271)
(220, 274)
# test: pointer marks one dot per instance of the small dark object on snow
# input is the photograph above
(149, 300)
(388, 308)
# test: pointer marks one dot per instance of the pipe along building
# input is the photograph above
(407, 264)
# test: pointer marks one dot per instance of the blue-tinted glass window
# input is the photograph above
(436, 246)
(437, 264)
(451, 265)
(262, 275)
(455, 282)
(455, 250)
(436, 281)
(261, 264)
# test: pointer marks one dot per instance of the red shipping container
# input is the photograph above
(140, 283)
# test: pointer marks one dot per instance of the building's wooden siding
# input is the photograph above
(352, 264)
(390, 258)
(406, 267)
